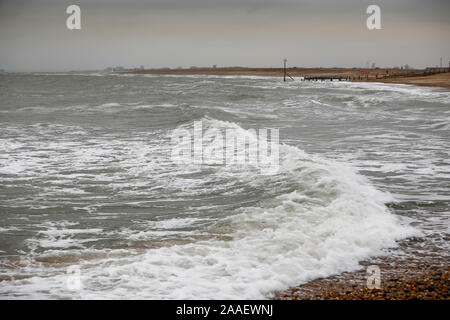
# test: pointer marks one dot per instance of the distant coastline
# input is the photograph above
(423, 77)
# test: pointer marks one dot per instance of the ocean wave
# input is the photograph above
(319, 218)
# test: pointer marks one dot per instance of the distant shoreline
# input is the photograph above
(397, 76)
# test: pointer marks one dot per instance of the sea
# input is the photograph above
(93, 205)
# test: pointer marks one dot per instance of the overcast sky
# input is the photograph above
(257, 33)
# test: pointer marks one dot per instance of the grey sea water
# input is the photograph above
(86, 180)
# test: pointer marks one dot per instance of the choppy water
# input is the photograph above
(86, 179)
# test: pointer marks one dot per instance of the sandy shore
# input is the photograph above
(358, 75)
(437, 80)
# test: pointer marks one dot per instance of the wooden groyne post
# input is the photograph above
(285, 71)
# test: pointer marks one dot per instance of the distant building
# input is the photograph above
(141, 67)
(214, 66)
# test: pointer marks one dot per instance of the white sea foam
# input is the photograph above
(331, 219)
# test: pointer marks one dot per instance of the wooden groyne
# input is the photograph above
(325, 78)
(374, 74)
